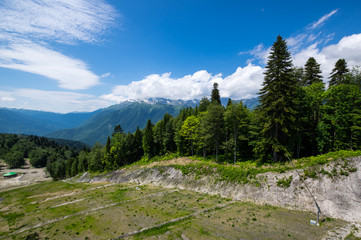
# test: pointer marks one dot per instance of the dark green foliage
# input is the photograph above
(278, 97)
(38, 157)
(203, 104)
(148, 139)
(237, 125)
(117, 129)
(15, 159)
(40, 150)
(338, 74)
(342, 118)
(312, 72)
(285, 182)
(215, 97)
(214, 125)
(128, 115)
(95, 158)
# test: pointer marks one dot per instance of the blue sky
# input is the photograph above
(81, 55)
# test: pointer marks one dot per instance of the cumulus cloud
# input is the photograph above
(321, 21)
(7, 99)
(49, 100)
(244, 83)
(348, 48)
(27, 26)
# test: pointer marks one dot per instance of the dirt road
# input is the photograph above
(26, 176)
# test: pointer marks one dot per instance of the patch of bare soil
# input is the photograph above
(175, 161)
(26, 175)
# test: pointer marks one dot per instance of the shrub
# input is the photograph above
(285, 182)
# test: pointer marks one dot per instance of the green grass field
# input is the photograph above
(64, 210)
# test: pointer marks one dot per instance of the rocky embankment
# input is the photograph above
(339, 195)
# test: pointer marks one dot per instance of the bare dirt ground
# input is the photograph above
(175, 161)
(26, 176)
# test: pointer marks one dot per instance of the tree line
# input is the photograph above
(297, 117)
(40, 150)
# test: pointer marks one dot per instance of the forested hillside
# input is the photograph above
(38, 122)
(40, 150)
(297, 117)
(100, 126)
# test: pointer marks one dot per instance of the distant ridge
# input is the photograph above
(91, 127)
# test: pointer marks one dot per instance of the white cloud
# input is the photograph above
(322, 20)
(70, 73)
(105, 75)
(27, 26)
(259, 52)
(7, 99)
(244, 83)
(54, 101)
(63, 21)
(348, 48)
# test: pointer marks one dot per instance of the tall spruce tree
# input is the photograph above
(214, 125)
(278, 98)
(203, 104)
(312, 72)
(338, 74)
(148, 139)
(215, 97)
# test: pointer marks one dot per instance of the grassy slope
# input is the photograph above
(60, 210)
(245, 172)
(125, 208)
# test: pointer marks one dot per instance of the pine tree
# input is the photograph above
(312, 72)
(215, 97)
(203, 104)
(148, 139)
(117, 129)
(229, 103)
(338, 73)
(214, 125)
(237, 123)
(138, 142)
(278, 102)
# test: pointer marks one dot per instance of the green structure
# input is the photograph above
(10, 174)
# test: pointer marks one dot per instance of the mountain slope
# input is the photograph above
(91, 127)
(38, 122)
(129, 116)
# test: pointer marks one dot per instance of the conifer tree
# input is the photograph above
(237, 123)
(215, 97)
(203, 104)
(117, 129)
(138, 142)
(312, 72)
(214, 125)
(229, 103)
(338, 73)
(148, 139)
(278, 98)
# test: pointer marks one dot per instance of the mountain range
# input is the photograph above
(92, 127)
